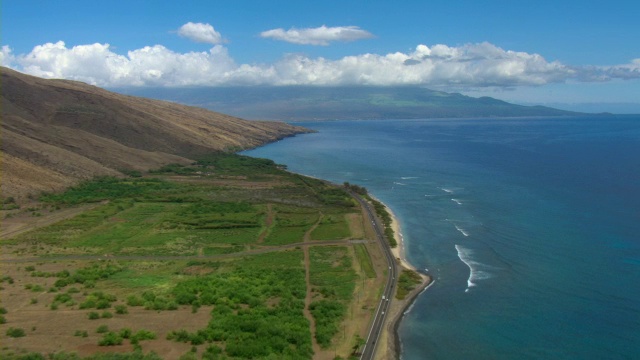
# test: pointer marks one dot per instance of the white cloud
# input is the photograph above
(625, 72)
(199, 32)
(471, 66)
(6, 56)
(150, 66)
(317, 36)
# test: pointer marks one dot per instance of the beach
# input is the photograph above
(389, 342)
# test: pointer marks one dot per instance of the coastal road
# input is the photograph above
(369, 350)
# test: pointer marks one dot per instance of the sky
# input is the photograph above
(571, 54)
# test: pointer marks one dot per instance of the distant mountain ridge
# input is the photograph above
(298, 103)
(58, 132)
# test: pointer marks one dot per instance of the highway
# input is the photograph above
(369, 350)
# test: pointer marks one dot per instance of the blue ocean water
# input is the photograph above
(530, 227)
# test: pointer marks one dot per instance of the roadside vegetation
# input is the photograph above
(204, 239)
(407, 281)
(384, 215)
(380, 209)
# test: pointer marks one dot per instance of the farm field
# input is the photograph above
(230, 257)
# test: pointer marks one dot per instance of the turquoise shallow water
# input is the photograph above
(531, 228)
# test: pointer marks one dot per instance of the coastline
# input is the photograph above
(398, 308)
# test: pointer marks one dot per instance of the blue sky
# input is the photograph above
(551, 52)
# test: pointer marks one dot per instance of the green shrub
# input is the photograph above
(34, 288)
(142, 335)
(81, 333)
(110, 339)
(15, 332)
(121, 309)
(102, 329)
(106, 315)
(134, 300)
(63, 298)
(125, 333)
(93, 315)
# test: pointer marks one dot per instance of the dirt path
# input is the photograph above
(26, 222)
(308, 297)
(8, 257)
(268, 222)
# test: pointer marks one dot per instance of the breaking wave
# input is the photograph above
(475, 273)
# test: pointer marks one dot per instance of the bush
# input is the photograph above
(106, 315)
(81, 333)
(103, 304)
(133, 300)
(121, 309)
(142, 335)
(110, 339)
(15, 332)
(125, 333)
(102, 329)
(93, 315)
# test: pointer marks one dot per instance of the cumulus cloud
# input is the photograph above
(199, 32)
(149, 66)
(6, 56)
(471, 66)
(322, 35)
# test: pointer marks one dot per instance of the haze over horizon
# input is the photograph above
(556, 53)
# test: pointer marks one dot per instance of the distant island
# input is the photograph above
(301, 103)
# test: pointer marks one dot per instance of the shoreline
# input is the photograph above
(398, 308)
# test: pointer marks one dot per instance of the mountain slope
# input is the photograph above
(57, 132)
(321, 103)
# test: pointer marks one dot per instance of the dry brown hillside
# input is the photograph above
(58, 132)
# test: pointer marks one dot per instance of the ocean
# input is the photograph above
(530, 227)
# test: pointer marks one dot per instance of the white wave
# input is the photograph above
(475, 272)
(399, 183)
(450, 191)
(408, 177)
(457, 201)
(461, 230)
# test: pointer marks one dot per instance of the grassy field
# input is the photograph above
(333, 281)
(332, 226)
(159, 244)
(365, 260)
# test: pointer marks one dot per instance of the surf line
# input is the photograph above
(464, 258)
(461, 230)
(475, 272)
